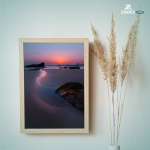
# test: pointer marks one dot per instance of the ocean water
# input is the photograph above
(46, 109)
(56, 67)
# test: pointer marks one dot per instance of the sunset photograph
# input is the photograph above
(54, 85)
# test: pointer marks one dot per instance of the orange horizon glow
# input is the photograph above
(56, 60)
(59, 60)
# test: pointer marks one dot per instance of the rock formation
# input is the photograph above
(36, 65)
(73, 92)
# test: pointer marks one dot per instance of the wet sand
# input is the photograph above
(46, 109)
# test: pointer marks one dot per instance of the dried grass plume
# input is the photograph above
(114, 70)
(100, 54)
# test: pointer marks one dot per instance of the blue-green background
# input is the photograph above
(71, 19)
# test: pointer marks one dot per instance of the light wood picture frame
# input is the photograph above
(54, 85)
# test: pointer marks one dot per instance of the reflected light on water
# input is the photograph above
(39, 78)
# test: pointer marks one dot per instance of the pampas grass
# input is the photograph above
(116, 71)
(100, 54)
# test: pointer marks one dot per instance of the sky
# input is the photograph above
(53, 53)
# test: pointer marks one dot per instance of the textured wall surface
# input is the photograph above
(71, 19)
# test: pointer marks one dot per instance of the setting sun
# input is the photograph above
(60, 60)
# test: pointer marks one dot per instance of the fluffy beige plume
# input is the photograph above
(128, 53)
(128, 56)
(124, 61)
(133, 40)
(124, 64)
(100, 54)
(112, 73)
(119, 64)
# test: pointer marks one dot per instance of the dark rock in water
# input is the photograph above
(63, 67)
(36, 65)
(74, 67)
(73, 92)
(35, 69)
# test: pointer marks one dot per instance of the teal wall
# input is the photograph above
(71, 19)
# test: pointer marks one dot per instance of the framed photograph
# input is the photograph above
(54, 85)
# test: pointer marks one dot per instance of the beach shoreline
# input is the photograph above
(46, 109)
